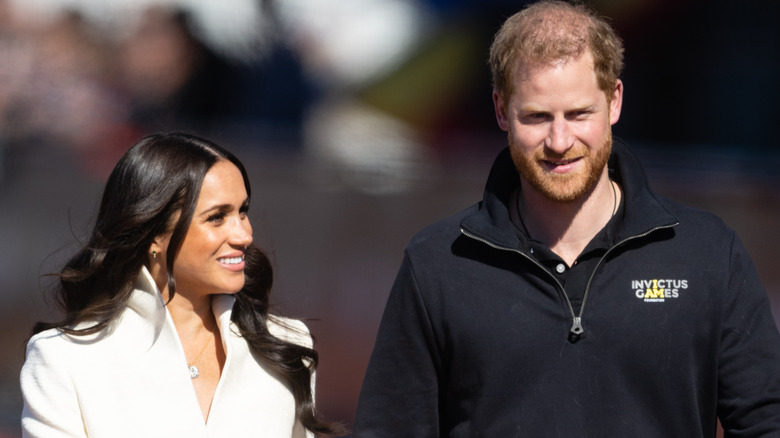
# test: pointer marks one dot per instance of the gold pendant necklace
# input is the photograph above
(193, 370)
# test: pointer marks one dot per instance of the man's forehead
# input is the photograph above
(527, 69)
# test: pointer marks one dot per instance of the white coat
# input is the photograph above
(132, 380)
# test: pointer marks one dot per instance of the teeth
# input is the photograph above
(232, 260)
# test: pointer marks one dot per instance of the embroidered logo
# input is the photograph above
(658, 290)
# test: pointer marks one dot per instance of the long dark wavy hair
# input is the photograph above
(160, 176)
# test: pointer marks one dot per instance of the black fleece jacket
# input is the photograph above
(475, 340)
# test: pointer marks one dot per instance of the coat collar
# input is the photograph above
(147, 301)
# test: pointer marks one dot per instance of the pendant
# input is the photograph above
(194, 371)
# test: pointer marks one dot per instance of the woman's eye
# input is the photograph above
(219, 217)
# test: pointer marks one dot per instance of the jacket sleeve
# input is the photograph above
(51, 407)
(400, 392)
(749, 362)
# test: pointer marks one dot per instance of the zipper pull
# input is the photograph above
(576, 327)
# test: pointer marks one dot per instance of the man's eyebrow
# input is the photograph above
(535, 109)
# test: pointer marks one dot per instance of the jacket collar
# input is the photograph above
(148, 303)
(643, 212)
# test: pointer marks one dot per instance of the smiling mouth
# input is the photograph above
(560, 162)
(231, 260)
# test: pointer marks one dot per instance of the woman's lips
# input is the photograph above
(232, 262)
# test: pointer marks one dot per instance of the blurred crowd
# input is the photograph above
(298, 74)
(376, 87)
(70, 83)
(94, 81)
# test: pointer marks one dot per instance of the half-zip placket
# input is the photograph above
(576, 327)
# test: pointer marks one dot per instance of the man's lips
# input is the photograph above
(560, 165)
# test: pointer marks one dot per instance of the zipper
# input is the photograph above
(576, 326)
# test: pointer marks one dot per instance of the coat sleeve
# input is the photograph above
(749, 362)
(400, 392)
(51, 407)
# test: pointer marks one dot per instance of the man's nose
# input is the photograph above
(559, 138)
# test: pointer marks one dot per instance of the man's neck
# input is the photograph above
(567, 227)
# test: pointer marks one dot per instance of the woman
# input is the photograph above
(166, 329)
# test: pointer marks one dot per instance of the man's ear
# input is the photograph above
(616, 103)
(501, 112)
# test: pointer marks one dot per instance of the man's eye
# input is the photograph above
(579, 114)
(535, 117)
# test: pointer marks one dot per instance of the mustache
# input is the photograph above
(570, 154)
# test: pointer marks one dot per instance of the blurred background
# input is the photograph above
(360, 122)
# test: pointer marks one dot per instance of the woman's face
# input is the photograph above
(211, 258)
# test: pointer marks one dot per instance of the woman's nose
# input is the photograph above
(242, 232)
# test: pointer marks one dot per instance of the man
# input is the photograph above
(571, 301)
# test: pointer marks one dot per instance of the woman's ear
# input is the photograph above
(159, 247)
(156, 251)
(157, 264)
(153, 254)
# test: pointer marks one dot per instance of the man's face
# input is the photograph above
(559, 127)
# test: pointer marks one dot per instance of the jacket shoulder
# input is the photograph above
(443, 231)
(46, 341)
(698, 219)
